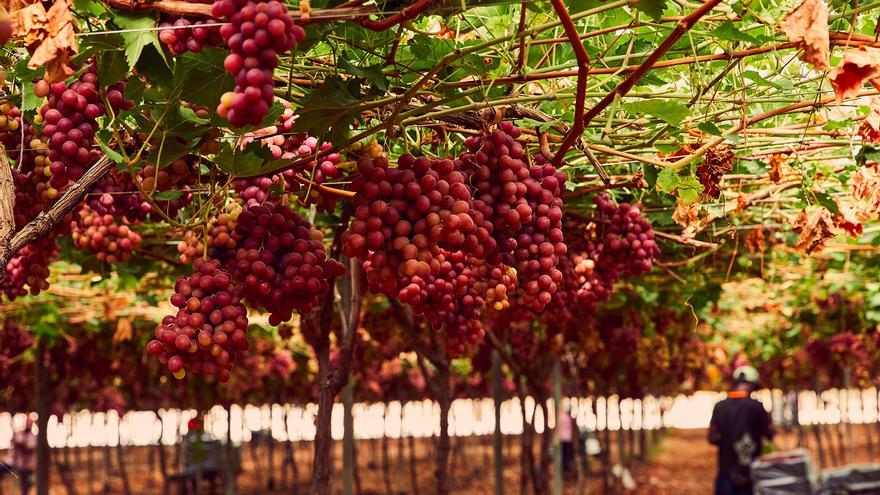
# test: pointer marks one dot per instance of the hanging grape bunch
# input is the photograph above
(524, 206)
(105, 236)
(257, 32)
(405, 216)
(28, 271)
(69, 121)
(190, 35)
(628, 238)
(177, 181)
(116, 195)
(209, 332)
(281, 262)
(219, 237)
(10, 124)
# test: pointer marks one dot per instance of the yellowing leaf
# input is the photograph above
(858, 65)
(807, 27)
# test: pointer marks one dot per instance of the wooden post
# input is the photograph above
(497, 438)
(42, 408)
(347, 438)
(557, 414)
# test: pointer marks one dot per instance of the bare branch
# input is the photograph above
(7, 204)
(180, 7)
(48, 220)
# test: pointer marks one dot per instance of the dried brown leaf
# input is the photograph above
(807, 27)
(755, 241)
(29, 23)
(49, 35)
(814, 228)
(865, 188)
(776, 161)
(688, 216)
(56, 50)
(848, 221)
(858, 65)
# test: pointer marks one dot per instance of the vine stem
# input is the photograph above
(409, 12)
(583, 60)
(40, 226)
(180, 7)
(627, 84)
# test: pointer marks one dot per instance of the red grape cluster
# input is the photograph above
(10, 125)
(69, 117)
(257, 31)
(221, 243)
(524, 207)
(101, 235)
(256, 190)
(186, 35)
(617, 242)
(449, 299)
(497, 283)
(209, 332)
(28, 271)
(14, 339)
(116, 195)
(179, 176)
(281, 262)
(628, 238)
(404, 217)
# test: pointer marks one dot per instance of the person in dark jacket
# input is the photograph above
(738, 427)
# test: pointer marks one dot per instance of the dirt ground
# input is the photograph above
(679, 462)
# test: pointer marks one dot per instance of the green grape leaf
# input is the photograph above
(670, 111)
(139, 35)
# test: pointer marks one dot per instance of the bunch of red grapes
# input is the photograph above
(524, 207)
(628, 238)
(449, 299)
(105, 236)
(10, 125)
(285, 144)
(179, 176)
(209, 332)
(28, 271)
(116, 195)
(257, 32)
(281, 263)
(69, 121)
(219, 237)
(188, 35)
(404, 217)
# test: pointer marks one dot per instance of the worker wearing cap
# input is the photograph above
(738, 427)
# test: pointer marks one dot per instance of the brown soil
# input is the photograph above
(682, 463)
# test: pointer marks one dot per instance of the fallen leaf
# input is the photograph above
(847, 220)
(49, 36)
(807, 27)
(814, 228)
(858, 65)
(865, 189)
(688, 216)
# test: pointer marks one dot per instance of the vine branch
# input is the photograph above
(40, 226)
